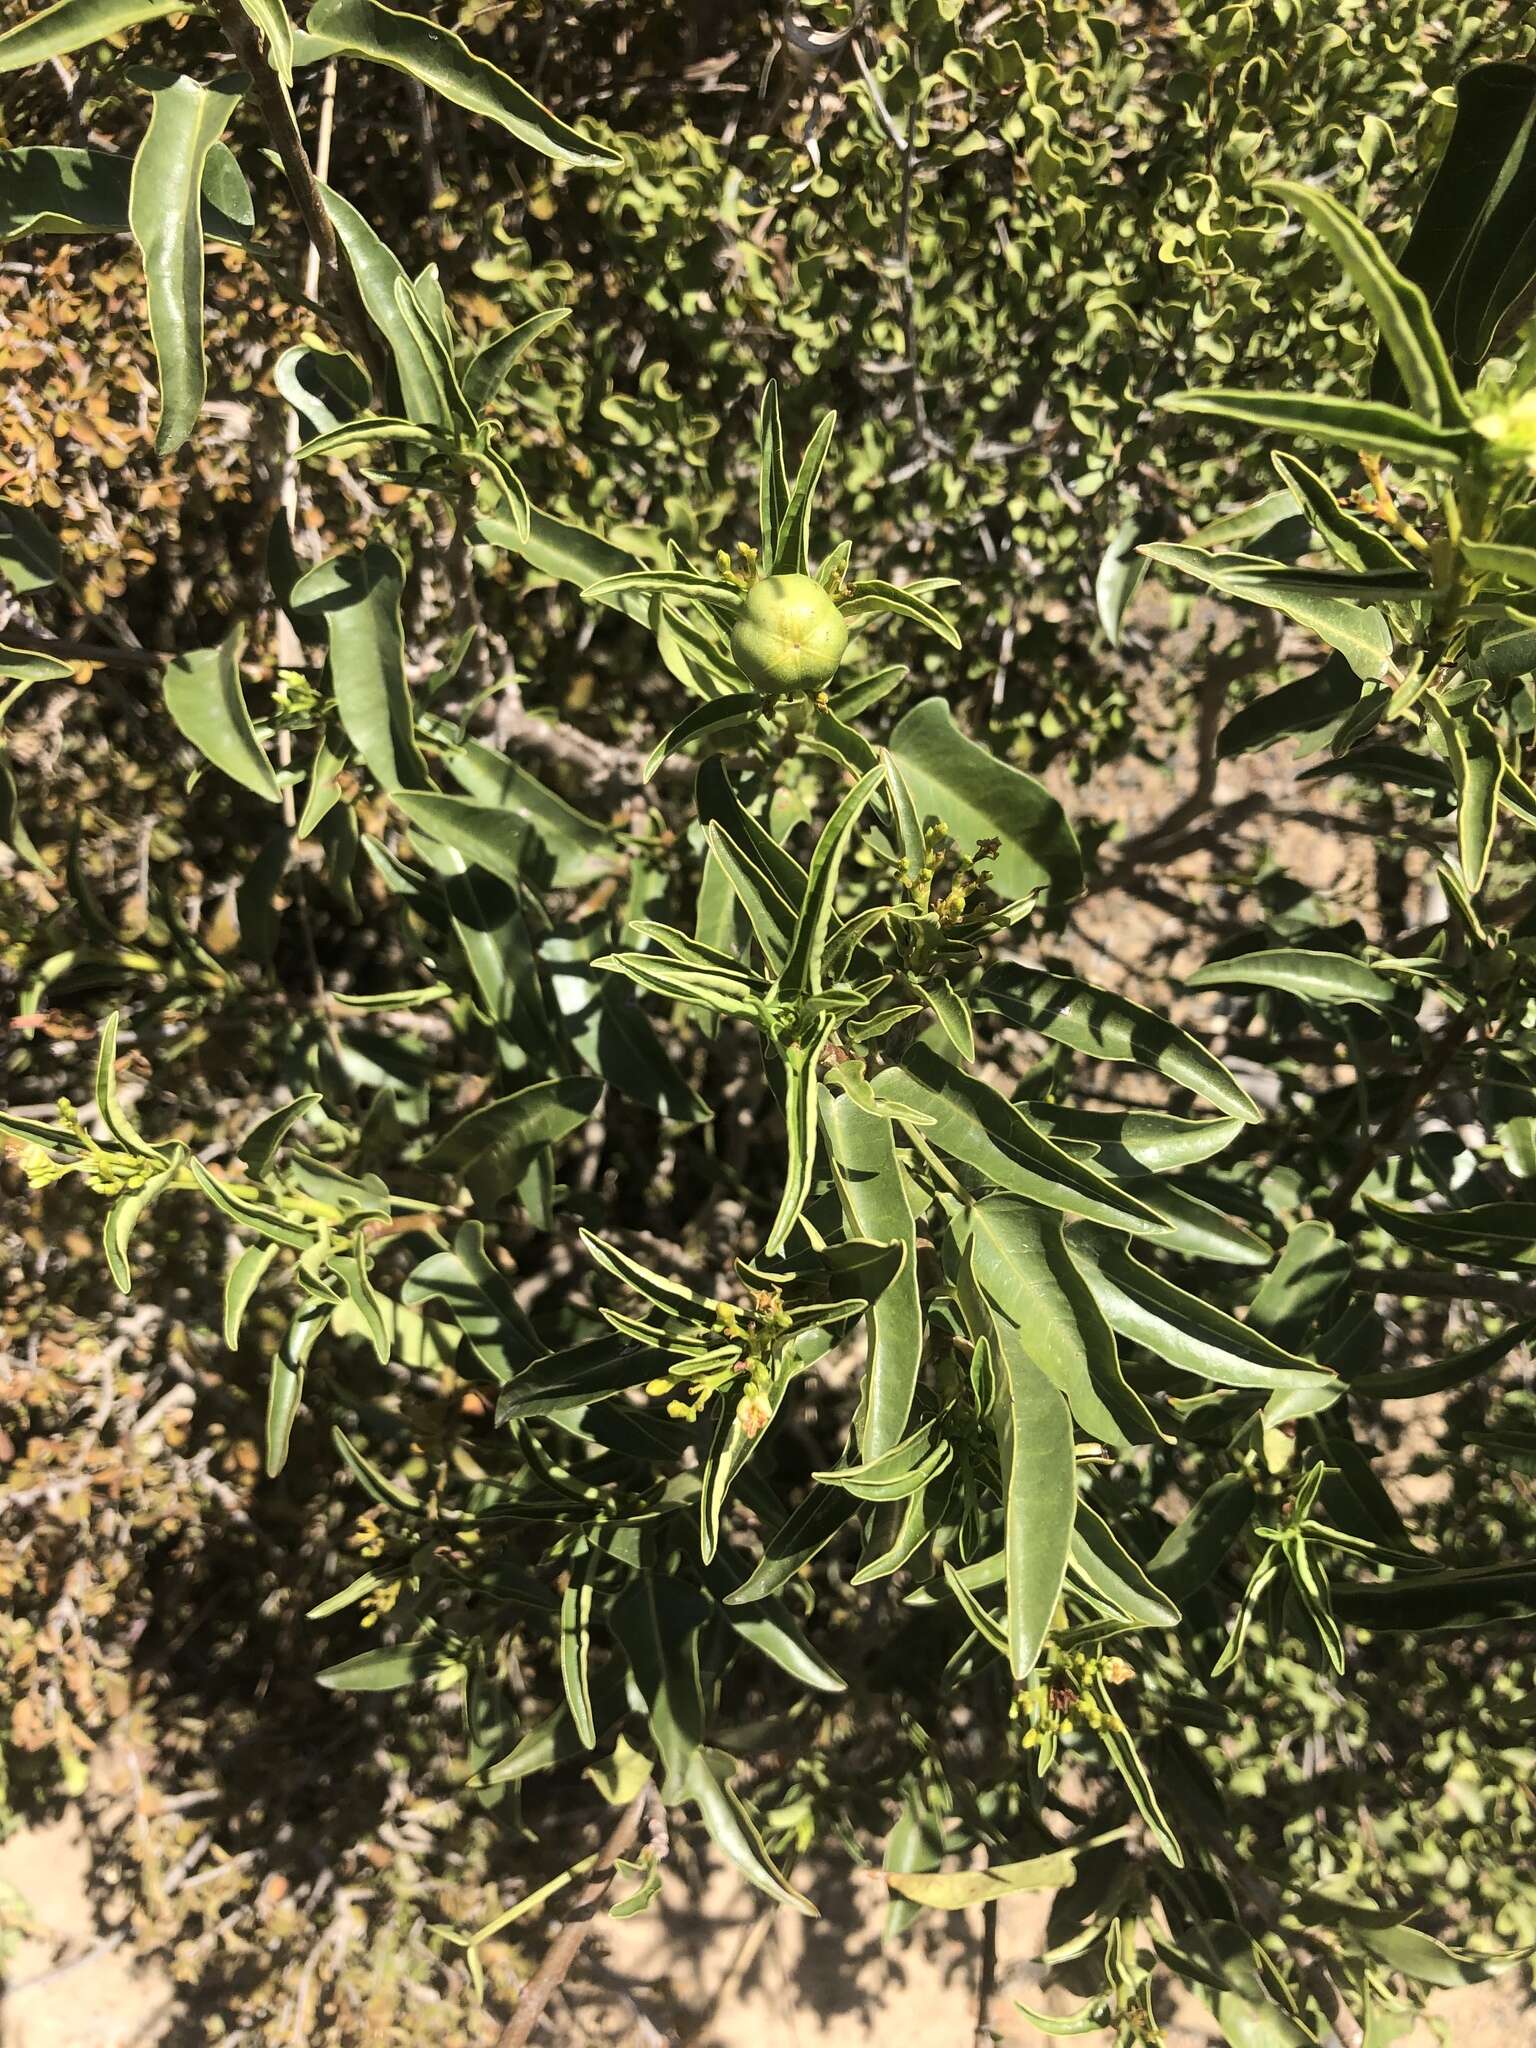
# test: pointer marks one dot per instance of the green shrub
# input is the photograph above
(813, 1361)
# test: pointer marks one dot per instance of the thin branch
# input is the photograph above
(1435, 1285)
(566, 1946)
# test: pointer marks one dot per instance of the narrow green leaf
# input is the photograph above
(594, 1371)
(802, 973)
(108, 1105)
(973, 1123)
(896, 1474)
(791, 547)
(1110, 1027)
(359, 595)
(384, 1669)
(497, 1132)
(1477, 762)
(801, 1090)
(1357, 544)
(482, 834)
(804, 1534)
(1181, 1328)
(862, 1149)
(1103, 1563)
(772, 477)
(377, 273)
(386, 1491)
(772, 919)
(656, 1621)
(1042, 1305)
(238, 1201)
(575, 1654)
(245, 1276)
(869, 597)
(1441, 1375)
(1121, 573)
(494, 362)
(259, 1147)
(1498, 1235)
(1307, 972)
(1398, 306)
(123, 1220)
(1198, 1545)
(165, 215)
(1359, 632)
(285, 1384)
(1343, 422)
(710, 720)
(443, 63)
(734, 1831)
(271, 18)
(1034, 1448)
(1135, 1142)
(71, 24)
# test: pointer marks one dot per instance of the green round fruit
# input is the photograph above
(789, 636)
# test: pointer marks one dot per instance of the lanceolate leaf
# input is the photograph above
(657, 1621)
(791, 551)
(203, 696)
(1355, 628)
(1103, 1563)
(493, 839)
(1111, 1027)
(1477, 762)
(954, 1890)
(271, 17)
(1497, 1235)
(1034, 1448)
(378, 272)
(1399, 307)
(577, 850)
(1181, 1328)
(359, 595)
(46, 191)
(869, 1185)
(733, 1829)
(165, 214)
(801, 1090)
(802, 973)
(972, 1123)
(594, 1371)
(540, 1114)
(1344, 422)
(444, 64)
(70, 24)
(493, 363)
(1307, 972)
(1042, 1305)
(773, 480)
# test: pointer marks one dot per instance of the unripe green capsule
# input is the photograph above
(789, 636)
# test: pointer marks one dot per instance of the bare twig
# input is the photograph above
(566, 1946)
